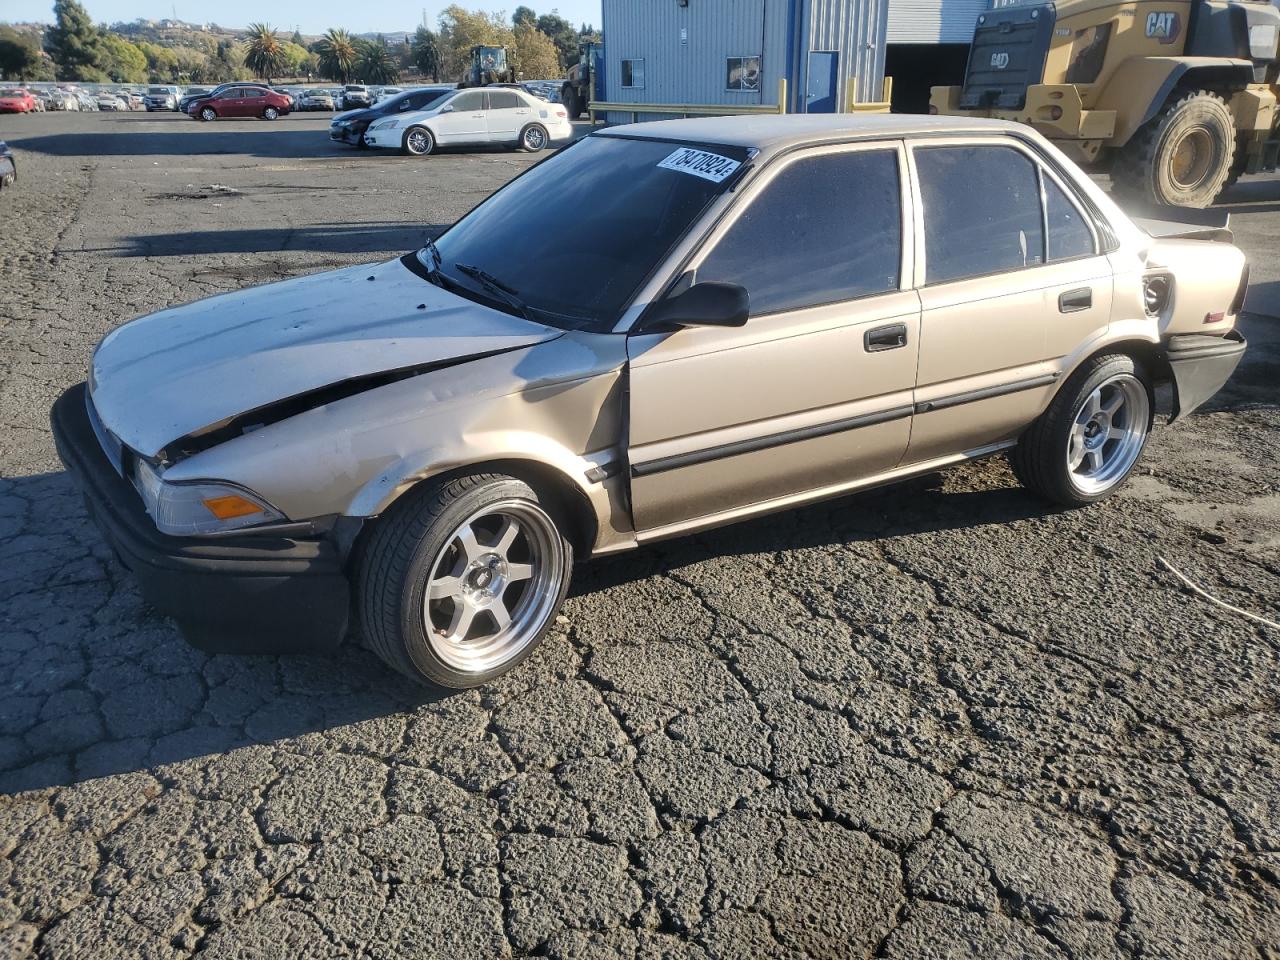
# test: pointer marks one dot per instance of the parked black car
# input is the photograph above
(349, 127)
(8, 166)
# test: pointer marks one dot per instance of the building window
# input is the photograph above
(742, 73)
(633, 73)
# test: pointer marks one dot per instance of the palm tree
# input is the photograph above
(264, 53)
(337, 53)
(376, 65)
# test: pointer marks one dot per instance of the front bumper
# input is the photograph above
(1201, 365)
(383, 138)
(346, 134)
(241, 593)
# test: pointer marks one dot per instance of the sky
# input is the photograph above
(310, 16)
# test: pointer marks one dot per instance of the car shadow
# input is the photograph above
(97, 683)
(347, 238)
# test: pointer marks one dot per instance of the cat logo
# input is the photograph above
(999, 60)
(1163, 26)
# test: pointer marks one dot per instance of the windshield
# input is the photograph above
(12, 92)
(576, 235)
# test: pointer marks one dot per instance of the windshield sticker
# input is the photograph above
(708, 166)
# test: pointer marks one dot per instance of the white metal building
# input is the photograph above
(735, 52)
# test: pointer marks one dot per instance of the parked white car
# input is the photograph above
(466, 117)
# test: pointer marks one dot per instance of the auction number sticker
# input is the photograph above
(708, 166)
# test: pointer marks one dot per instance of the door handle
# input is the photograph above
(1075, 300)
(889, 337)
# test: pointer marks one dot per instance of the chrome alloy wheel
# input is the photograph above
(493, 585)
(535, 138)
(1108, 434)
(419, 141)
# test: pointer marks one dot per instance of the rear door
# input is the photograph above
(508, 113)
(467, 122)
(1013, 280)
(254, 101)
(815, 391)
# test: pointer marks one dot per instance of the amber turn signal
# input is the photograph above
(227, 508)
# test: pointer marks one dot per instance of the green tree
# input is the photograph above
(162, 62)
(562, 34)
(73, 42)
(20, 57)
(534, 56)
(337, 55)
(263, 52)
(524, 15)
(375, 64)
(121, 60)
(297, 38)
(426, 53)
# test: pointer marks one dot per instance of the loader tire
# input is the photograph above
(1183, 157)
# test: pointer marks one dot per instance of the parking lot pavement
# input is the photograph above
(935, 720)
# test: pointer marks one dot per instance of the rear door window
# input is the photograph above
(982, 211)
(504, 100)
(827, 228)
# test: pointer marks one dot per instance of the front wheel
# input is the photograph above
(271, 113)
(418, 141)
(460, 581)
(1084, 447)
(208, 113)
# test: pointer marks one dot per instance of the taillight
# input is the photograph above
(1238, 303)
(561, 112)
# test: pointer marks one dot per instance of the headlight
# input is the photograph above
(385, 124)
(199, 507)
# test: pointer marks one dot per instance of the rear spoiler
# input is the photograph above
(1184, 223)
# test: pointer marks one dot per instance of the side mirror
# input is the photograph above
(707, 304)
(447, 108)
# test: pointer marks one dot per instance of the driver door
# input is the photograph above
(231, 103)
(466, 122)
(815, 391)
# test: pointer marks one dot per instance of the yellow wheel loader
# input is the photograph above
(1175, 98)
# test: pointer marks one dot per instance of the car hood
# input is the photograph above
(364, 113)
(177, 372)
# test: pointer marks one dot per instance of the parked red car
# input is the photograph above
(241, 102)
(16, 100)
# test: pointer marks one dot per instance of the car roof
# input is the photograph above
(771, 132)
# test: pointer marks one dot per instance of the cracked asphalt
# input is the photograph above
(938, 720)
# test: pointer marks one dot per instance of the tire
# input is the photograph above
(271, 113)
(419, 546)
(1181, 158)
(569, 100)
(418, 142)
(534, 138)
(1061, 457)
(208, 113)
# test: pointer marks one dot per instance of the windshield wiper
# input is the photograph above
(496, 286)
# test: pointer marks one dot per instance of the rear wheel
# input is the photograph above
(1083, 448)
(270, 113)
(208, 113)
(534, 138)
(418, 141)
(460, 581)
(1181, 158)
